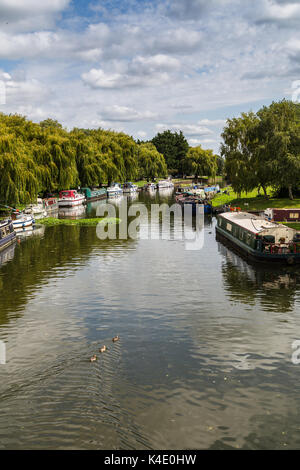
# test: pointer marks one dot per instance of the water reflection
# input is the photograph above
(275, 287)
(72, 212)
(203, 361)
(7, 255)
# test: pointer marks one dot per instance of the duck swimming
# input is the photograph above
(93, 358)
(116, 338)
(103, 349)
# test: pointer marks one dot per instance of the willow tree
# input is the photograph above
(151, 163)
(200, 162)
(19, 181)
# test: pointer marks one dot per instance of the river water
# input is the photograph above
(204, 359)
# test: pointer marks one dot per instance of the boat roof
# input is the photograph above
(251, 222)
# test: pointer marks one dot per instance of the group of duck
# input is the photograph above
(103, 349)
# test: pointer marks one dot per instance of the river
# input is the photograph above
(204, 359)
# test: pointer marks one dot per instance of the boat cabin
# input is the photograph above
(7, 233)
(71, 194)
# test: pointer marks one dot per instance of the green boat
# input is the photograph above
(94, 194)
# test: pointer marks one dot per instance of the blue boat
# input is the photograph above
(193, 203)
(7, 234)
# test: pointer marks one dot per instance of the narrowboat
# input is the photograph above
(70, 198)
(94, 194)
(283, 215)
(114, 190)
(129, 188)
(259, 239)
(7, 234)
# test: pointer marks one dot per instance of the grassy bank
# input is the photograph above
(251, 200)
(51, 221)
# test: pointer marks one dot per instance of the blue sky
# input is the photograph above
(142, 66)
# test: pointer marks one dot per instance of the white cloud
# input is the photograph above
(30, 14)
(126, 114)
(141, 134)
(139, 72)
(187, 129)
(148, 64)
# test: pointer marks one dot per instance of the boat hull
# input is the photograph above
(253, 255)
(20, 224)
(7, 241)
(114, 193)
(71, 202)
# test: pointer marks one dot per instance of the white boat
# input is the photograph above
(70, 198)
(165, 184)
(151, 187)
(114, 190)
(38, 210)
(129, 188)
(22, 221)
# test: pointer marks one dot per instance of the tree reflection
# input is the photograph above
(36, 260)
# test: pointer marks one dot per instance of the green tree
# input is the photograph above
(200, 162)
(174, 147)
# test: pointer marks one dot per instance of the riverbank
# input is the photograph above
(51, 221)
(253, 201)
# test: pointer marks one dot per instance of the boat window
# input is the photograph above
(229, 227)
(269, 239)
(294, 215)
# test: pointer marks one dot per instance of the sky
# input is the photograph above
(144, 66)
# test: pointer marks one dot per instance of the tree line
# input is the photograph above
(39, 158)
(263, 149)
(44, 158)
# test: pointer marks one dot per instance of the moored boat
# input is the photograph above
(193, 203)
(165, 184)
(21, 221)
(94, 194)
(129, 188)
(283, 215)
(51, 204)
(7, 234)
(150, 187)
(114, 190)
(38, 210)
(70, 198)
(259, 239)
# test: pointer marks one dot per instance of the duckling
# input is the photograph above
(93, 358)
(116, 338)
(103, 349)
